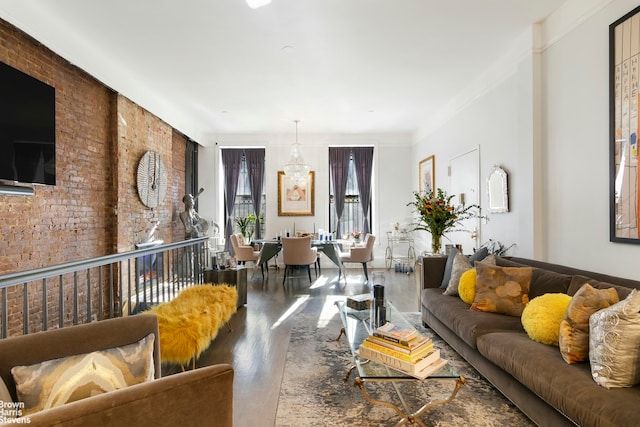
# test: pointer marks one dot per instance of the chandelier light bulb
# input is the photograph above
(295, 166)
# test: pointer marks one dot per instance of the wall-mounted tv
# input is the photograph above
(27, 128)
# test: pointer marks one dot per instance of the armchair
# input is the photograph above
(360, 254)
(244, 252)
(199, 396)
(297, 252)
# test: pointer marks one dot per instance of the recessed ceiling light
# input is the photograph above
(287, 49)
(254, 4)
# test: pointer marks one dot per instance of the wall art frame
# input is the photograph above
(296, 197)
(624, 78)
(427, 174)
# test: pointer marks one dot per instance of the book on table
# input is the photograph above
(398, 352)
(399, 334)
(409, 346)
(421, 369)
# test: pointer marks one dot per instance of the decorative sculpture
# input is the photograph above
(194, 225)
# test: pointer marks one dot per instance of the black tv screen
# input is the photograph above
(27, 128)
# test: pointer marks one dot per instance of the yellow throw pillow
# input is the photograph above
(467, 286)
(542, 316)
(574, 328)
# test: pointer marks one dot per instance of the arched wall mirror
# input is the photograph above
(498, 191)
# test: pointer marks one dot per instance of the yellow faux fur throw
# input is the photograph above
(190, 321)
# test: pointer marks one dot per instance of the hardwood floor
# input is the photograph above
(257, 345)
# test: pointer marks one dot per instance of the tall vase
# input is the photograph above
(435, 243)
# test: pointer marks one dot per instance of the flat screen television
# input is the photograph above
(27, 128)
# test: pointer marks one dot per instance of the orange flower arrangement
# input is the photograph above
(437, 215)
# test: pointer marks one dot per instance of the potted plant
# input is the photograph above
(437, 215)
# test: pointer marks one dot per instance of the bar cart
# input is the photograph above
(394, 243)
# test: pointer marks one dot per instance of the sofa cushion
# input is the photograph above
(574, 328)
(547, 282)
(467, 286)
(578, 280)
(614, 340)
(447, 268)
(56, 382)
(460, 264)
(569, 388)
(502, 290)
(467, 324)
(542, 316)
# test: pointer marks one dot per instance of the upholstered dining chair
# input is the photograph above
(362, 254)
(245, 252)
(297, 252)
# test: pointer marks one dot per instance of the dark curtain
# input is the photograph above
(255, 170)
(363, 162)
(191, 169)
(231, 160)
(339, 168)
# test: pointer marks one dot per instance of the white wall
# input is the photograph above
(391, 183)
(546, 123)
(576, 148)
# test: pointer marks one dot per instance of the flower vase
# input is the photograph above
(435, 243)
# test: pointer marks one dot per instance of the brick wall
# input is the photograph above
(94, 208)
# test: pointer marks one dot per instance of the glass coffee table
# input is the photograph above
(356, 328)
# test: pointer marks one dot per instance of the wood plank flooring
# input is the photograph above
(257, 345)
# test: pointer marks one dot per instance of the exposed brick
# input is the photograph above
(96, 163)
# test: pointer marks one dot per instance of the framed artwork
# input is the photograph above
(296, 197)
(426, 174)
(624, 77)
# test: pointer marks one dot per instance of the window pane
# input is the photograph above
(352, 216)
(243, 205)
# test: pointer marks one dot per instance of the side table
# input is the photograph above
(232, 276)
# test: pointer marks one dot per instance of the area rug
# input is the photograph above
(313, 392)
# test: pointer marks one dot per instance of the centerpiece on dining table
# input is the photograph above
(438, 215)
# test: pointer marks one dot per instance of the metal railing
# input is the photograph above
(99, 288)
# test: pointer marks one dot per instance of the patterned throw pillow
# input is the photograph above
(542, 316)
(502, 289)
(574, 328)
(614, 340)
(55, 382)
(460, 264)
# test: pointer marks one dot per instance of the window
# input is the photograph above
(243, 205)
(243, 170)
(353, 214)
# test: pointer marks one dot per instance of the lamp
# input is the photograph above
(296, 167)
(254, 4)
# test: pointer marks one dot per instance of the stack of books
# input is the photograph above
(404, 350)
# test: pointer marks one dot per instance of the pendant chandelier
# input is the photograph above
(296, 167)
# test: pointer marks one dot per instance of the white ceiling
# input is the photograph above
(351, 66)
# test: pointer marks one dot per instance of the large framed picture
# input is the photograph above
(624, 75)
(426, 174)
(296, 196)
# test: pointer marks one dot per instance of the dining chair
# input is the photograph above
(297, 252)
(361, 254)
(244, 252)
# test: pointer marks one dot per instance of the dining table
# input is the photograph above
(271, 248)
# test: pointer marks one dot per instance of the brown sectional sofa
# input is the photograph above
(532, 375)
(201, 397)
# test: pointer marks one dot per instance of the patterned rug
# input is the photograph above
(313, 392)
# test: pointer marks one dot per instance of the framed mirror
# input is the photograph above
(498, 191)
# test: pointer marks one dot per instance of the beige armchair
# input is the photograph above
(244, 252)
(297, 252)
(361, 254)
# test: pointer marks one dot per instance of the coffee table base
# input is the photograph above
(407, 418)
